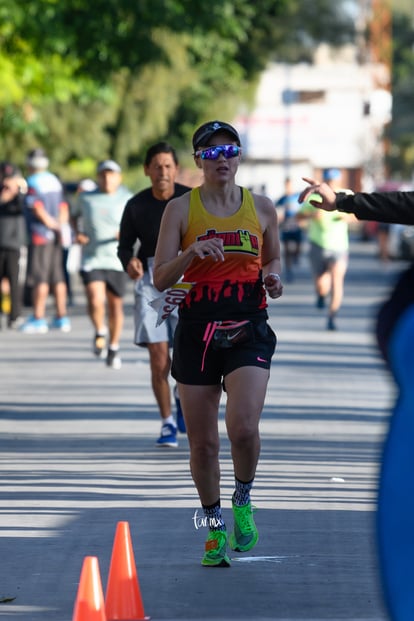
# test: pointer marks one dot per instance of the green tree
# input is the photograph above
(401, 130)
(105, 78)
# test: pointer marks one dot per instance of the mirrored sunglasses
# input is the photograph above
(212, 153)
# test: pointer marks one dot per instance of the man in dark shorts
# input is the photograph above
(46, 211)
(97, 224)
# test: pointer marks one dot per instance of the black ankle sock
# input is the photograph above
(242, 491)
(214, 518)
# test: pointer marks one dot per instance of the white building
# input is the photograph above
(308, 117)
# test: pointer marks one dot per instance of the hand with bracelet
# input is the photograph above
(273, 284)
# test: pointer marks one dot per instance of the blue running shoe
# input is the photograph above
(61, 323)
(179, 412)
(34, 326)
(168, 436)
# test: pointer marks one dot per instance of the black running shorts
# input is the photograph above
(194, 363)
(114, 280)
(46, 264)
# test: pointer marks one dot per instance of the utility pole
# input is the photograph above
(380, 50)
(380, 34)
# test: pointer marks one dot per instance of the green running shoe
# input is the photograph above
(215, 554)
(245, 534)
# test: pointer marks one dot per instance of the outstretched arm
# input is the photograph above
(392, 207)
(327, 197)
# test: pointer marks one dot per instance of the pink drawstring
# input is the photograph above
(208, 335)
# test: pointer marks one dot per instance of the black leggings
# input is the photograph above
(9, 268)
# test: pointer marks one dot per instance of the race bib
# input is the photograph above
(169, 299)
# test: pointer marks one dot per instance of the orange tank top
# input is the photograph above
(233, 288)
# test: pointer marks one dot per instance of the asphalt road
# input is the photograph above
(78, 456)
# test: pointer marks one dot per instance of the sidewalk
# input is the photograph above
(78, 455)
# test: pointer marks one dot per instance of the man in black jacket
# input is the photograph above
(395, 334)
(138, 236)
(393, 207)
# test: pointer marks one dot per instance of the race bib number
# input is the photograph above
(169, 299)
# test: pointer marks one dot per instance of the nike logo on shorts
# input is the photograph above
(230, 337)
(260, 359)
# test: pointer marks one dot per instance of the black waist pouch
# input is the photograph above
(231, 333)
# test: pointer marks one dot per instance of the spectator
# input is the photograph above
(395, 335)
(47, 211)
(12, 239)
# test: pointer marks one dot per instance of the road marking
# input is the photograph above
(264, 559)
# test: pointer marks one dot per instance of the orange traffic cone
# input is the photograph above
(89, 604)
(123, 599)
